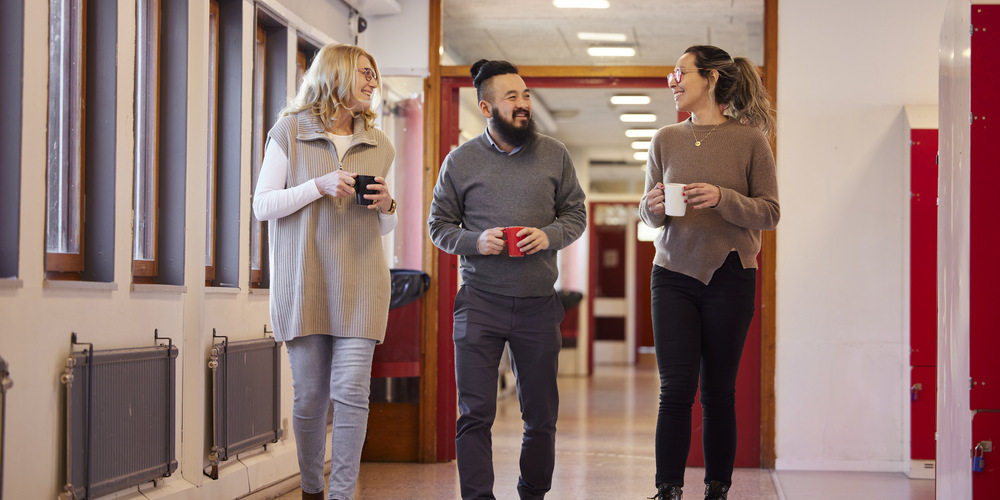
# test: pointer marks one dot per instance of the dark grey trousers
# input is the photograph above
(484, 322)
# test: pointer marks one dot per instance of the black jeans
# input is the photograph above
(699, 329)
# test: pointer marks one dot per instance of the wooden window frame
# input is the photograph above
(147, 139)
(212, 166)
(257, 152)
(64, 259)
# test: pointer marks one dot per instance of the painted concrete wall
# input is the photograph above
(845, 71)
(40, 315)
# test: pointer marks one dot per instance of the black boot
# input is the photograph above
(667, 492)
(313, 496)
(716, 490)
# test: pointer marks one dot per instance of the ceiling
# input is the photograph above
(536, 33)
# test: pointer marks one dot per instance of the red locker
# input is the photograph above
(984, 238)
(923, 247)
(985, 437)
(923, 412)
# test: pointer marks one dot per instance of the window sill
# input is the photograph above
(221, 290)
(79, 285)
(10, 283)
(140, 287)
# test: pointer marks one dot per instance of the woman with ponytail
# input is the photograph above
(704, 273)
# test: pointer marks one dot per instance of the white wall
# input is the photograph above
(845, 71)
(39, 317)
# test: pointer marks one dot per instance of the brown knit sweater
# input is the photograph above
(738, 159)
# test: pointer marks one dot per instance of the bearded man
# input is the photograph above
(510, 176)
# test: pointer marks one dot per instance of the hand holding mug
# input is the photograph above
(701, 195)
(338, 183)
(525, 240)
(490, 241)
(654, 199)
(374, 192)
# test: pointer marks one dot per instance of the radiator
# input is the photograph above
(5, 384)
(246, 397)
(119, 418)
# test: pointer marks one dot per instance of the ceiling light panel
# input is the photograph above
(630, 99)
(640, 132)
(602, 37)
(641, 155)
(638, 117)
(640, 144)
(581, 4)
(611, 51)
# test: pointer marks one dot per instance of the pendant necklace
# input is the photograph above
(696, 141)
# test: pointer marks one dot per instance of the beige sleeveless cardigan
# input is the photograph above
(328, 271)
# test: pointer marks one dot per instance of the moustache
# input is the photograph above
(521, 112)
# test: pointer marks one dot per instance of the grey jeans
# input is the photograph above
(330, 370)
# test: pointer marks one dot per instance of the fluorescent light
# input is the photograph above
(602, 37)
(581, 4)
(638, 117)
(640, 144)
(611, 51)
(641, 155)
(640, 132)
(630, 99)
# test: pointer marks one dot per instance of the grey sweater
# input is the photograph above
(738, 159)
(480, 188)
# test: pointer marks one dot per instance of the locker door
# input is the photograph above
(986, 429)
(984, 239)
(923, 247)
(923, 412)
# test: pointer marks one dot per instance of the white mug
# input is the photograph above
(674, 199)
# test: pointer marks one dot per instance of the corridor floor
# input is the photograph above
(604, 451)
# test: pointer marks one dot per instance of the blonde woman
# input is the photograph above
(330, 284)
(704, 272)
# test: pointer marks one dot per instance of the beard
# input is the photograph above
(510, 132)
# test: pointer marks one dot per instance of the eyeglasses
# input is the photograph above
(368, 74)
(677, 75)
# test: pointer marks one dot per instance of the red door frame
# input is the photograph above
(448, 264)
(448, 271)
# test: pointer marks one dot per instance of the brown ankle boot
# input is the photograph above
(313, 496)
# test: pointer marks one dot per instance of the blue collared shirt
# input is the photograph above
(490, 137)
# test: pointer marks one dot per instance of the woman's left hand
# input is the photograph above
(382, 198)
(701, 195)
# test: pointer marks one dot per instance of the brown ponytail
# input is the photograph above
(739, 87)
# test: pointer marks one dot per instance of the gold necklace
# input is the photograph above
(696, 141)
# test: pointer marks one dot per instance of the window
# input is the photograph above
(270, 88)
(11, 59)
(64, 169)
(257, 236)
(160, 142)
(227, 148)
(147, 100)
(213, 139)
(81, 141)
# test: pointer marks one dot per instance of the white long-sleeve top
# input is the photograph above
(273, 200)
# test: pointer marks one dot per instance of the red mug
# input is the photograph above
(510, 235)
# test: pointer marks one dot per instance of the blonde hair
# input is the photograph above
(329, 82)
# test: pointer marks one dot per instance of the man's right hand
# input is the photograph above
(490, 241)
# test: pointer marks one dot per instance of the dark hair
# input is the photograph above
(483, 70)
(739, 87)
